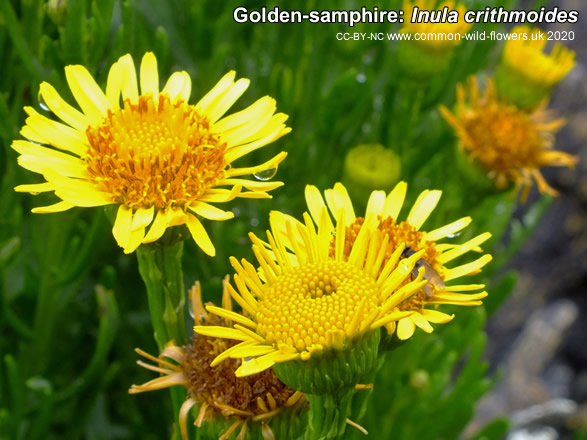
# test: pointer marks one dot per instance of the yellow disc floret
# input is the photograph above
(308, 307)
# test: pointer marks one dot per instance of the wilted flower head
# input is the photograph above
(261, 402)
(161, 160)
(383, 211)
(510, 144)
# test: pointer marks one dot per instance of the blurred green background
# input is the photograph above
(73, 306)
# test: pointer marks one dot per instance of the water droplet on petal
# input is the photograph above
(454, 235)
(43, 104)
(265, 175)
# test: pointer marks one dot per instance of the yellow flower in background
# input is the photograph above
(437, 40)
(526, 56)
(527, 74)
(162, 160)
(384, 212)
(246, 402)
(509, 143)
(314, 304)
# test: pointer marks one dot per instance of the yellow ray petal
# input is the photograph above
(423, 207)
(35, 188)
(252, 185)
(114, 85)
(405, 329)
(200, 235)
(255, 115)
(395, 200)
(121, 229)
(210, 212)
(62, 109)
(259, 364)
(157, 228)
(338, 199)
(233, 316)
(467, 269)
(220, 195)
(242, 150)
(421, 322)
(271, 163)
(59, 135)
(37, 159)
(142, 218)
(435, 316)
(222, 104)
(226, 353)
(179, 86)
(75, 191)
(149, 76)
(463, 249)
(56, 207)
(129, 86)
(86, 92)
(217, 91)
(315, 202)
(446, 230)
(374, 206)
(221, 332)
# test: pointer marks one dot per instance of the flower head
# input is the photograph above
(257, 401)
(527, 73)
(438, 37)
(509, 143)
(433, 257)
(314, 304)
(159, 158)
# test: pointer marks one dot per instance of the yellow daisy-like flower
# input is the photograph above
(438, 38)
(162, 160)
(383, 211)
(254, 402)
(314, 302)
(526, 56)
(509, 143)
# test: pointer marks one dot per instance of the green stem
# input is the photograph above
(160, 268)
(328, 414)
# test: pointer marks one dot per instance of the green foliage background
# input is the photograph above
(73, 306)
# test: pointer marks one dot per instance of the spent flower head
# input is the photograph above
(163, 161)
(434, 257)
(261, 404)
(510, 144)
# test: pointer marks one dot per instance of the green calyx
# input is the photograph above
(519, 90)
(332, 371)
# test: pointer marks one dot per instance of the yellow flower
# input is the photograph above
(510, 144)
(525, 56)
(315, 303)
(383, 210)
(162, 160)
(437, 33)
(220, 395)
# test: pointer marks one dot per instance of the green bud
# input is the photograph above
(56, 10)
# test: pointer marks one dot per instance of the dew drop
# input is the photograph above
(43, 104)
(361, 78)
(454, 235)
(265, 175)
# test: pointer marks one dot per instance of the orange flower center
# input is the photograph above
(502, 138)
(220, 388)
(398, 233)
(155, 154)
